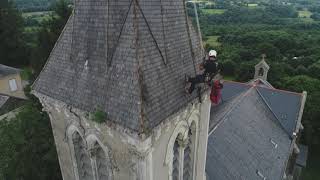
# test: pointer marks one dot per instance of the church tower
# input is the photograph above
(262, 69)
(113, 87)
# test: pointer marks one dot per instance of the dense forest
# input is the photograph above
(27, 145)
(286, 31)
(33, 5)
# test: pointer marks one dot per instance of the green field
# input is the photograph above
(39, 16)
(253, 5)
(40, 13)
(213, 41)
(213, 11)
(36, 16)
(229, 78)
(304, 14)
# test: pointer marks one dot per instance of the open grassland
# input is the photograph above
(229, 78)
(213, 41)
(38, 16)
(252, 5)
(40, 13)
(213, 11)
(304, 14)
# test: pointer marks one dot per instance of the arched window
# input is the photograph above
(181, 150)
(189, 154)
(82, 158)
(175, 165)
(102, 163)
(261, 72)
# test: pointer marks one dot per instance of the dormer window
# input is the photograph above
(13, 85)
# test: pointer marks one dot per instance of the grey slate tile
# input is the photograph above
(131, 71)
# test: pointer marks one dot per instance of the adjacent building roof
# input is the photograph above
(3, 100)
(128, 58)
(251, 130)
(6, 70)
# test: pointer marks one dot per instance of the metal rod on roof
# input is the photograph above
(198, 25)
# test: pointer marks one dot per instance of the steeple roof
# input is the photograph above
(128, 58)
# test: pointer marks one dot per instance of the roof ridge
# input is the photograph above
(280, 90)
(237, 103)
(267, 104)
(54, 47)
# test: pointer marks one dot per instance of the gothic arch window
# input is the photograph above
(100, 158)
(181, 151)
(175, 163)
(189, 154)
(261, 72)
(83, 162)
(102, 164)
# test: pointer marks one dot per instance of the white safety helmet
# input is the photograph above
(212, 53)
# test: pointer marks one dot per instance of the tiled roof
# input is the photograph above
(127, 59)
(6, 70)
(284, 105)
(247, 140)
(3, 100)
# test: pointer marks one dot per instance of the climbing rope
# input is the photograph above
(189, 37)
(199, 29)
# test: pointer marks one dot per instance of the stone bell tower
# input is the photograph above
(262, 69)
(126, 60)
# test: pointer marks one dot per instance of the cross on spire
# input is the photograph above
(263, 57)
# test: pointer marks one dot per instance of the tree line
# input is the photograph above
(27, 145)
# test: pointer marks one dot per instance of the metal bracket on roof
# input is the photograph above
(274, 143)
(261, 175)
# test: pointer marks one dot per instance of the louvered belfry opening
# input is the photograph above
(83, 161)
(128, 58)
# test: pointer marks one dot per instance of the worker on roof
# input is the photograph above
(210, 68)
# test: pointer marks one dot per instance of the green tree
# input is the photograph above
(228, 67)
(245, 71)
(314, 70)
(312, 109)
(27, 146)
(13, 50)
(49, 33)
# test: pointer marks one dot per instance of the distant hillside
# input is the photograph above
(33, 5)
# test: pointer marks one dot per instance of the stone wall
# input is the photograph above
(113, 152)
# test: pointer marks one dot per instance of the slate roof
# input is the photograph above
(3, 100)
(248, 139)
(125, 58)
(6, 70)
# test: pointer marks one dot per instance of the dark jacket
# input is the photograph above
(210, 67)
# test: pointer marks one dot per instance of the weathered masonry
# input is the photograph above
(128, 59)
